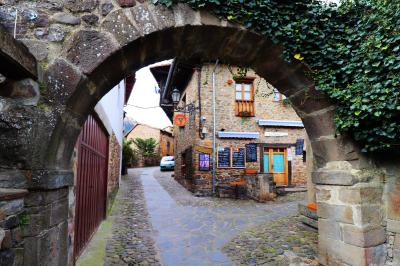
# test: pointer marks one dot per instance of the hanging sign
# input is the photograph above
(204, 162)
(251, 153)
(180, 120)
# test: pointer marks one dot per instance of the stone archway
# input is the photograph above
(79, 70)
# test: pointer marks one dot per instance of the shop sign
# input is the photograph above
(275, 134)
(180, 120)
(203, 149)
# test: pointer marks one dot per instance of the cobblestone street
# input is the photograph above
(156, 221)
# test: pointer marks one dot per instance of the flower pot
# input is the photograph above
(250, 171)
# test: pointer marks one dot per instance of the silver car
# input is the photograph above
(167, 163)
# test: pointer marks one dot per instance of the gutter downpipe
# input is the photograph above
(199, 98)
(214, 144)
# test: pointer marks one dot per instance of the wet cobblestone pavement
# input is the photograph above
(265, 244)
(157, 221)
(131, 241)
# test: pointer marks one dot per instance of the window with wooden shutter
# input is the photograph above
(244, 98)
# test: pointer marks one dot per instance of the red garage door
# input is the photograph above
(91, 183)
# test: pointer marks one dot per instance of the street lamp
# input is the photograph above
(176, 96)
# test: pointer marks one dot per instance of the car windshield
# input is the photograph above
(168, 158)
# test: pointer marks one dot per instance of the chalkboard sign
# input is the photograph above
(238, 158)
(224, 157)
(251, 153)
(204, 161)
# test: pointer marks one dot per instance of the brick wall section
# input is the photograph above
(114, 168)
(265, 108)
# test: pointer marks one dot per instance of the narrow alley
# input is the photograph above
(155, 221)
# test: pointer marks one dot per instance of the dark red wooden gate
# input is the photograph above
(91, 183)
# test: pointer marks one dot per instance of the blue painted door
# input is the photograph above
(266, 162)
(279, 163)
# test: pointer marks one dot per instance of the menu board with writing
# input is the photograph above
(251, 153)
(238, 158)
(204, 161)
(224, 157)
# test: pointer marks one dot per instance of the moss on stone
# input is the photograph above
(96, 251)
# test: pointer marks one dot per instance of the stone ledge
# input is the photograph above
(10, 193)
(333, 177)
(51, 179)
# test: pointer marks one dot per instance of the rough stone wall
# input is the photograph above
(12, 222)
(392, 205)
(265, 108)
(114, 168)
(185, 140)
(71, 208)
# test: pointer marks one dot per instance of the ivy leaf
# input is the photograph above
(298, 57)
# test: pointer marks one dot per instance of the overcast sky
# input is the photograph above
(144, 98)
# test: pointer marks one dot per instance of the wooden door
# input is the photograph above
(91, 182)
(275, 162)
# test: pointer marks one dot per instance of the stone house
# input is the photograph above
(248, 135)
(163, 137)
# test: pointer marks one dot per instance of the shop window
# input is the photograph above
(244, 98)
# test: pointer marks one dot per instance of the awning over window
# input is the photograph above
(279, 123)
(238, 135)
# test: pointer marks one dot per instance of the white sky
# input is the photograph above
(144, 94)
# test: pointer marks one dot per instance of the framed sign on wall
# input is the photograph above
(204, 162)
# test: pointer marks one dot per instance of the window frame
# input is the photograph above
(242, 103)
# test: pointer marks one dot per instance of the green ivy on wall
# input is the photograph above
(352, 51)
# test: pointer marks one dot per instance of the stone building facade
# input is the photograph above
(265, 121)
(163, 137)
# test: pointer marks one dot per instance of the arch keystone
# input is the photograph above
(143, 19)
(118, 24)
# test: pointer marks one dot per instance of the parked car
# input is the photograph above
(167, 163)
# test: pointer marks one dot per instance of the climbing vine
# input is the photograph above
(352, 51)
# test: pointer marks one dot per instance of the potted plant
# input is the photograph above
(251, 170)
